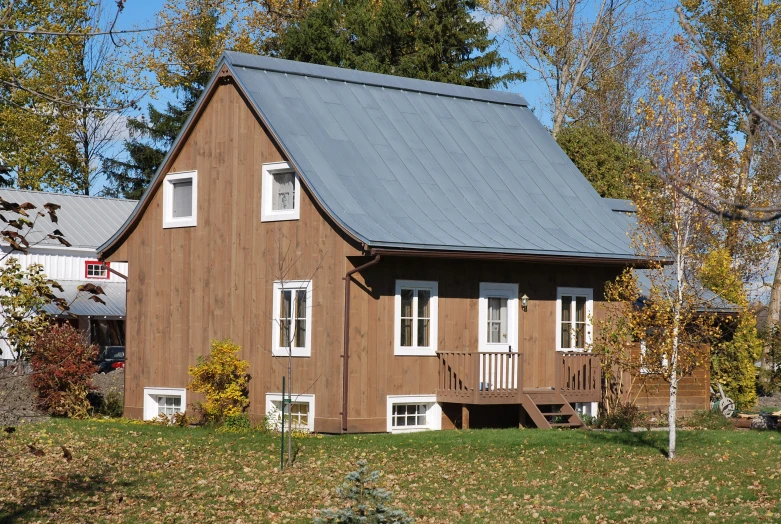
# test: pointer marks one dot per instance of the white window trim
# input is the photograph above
(150, 399)
(168, 205)
(580, 291)
(512, 316)
(586, 408)
(267, 213)
(276, 350)
(433, 413)
(430, 351)
(644, 370)
(271, 409)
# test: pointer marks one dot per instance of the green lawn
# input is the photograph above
(141, 473)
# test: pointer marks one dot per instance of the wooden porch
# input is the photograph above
(482, 378)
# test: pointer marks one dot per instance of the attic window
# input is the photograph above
(280, 193)
(180, 199)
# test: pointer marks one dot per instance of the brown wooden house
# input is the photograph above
(426, 252)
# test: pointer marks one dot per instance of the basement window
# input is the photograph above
(301, 410)
(164, 401)
(280, 193)
(180, 199)
(407, 413)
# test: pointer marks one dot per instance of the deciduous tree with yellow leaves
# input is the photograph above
(671, 316)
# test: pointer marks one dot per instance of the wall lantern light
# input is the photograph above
(525, 302)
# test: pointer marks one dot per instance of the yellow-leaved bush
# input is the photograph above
(222, 378)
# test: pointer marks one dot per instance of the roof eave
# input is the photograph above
(553, 258)
(110, 245)
(223, 71)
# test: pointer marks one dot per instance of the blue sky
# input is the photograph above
(141, 13)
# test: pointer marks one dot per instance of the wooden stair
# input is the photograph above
(551, 411)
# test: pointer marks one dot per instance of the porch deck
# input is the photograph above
(497, 378)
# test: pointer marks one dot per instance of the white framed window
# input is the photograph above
(180, 199)
(291, 330)
(407, 413)
(301, 410)
(574, 311)
(164, 401)
(416, 314)
(280, 193)
(644, 369)
(498, 317)
(586, 408)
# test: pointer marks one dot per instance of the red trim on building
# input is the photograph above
(89, 263)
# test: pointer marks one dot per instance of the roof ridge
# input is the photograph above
(354, 76)
(90, 197)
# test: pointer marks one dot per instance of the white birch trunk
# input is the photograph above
(672, 414)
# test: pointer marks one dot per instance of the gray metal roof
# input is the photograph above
(85, 222)
(404, 163)
(114, 299)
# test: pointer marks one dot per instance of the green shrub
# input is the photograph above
(113, 404)
(238, 422)
(708, 419)
(624, 416)
(366, 503)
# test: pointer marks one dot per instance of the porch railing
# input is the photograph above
(496, 377)
(486, 377)
(579, 376)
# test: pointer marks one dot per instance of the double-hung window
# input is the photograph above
(416, 318)
(292, 327)
(574, 309)
(281, 193)
(180, 199)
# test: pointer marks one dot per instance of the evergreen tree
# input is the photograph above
(604, 162)
(151, 138)
(439, 40)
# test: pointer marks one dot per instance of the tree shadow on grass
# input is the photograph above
(638, 439)
(49, 494)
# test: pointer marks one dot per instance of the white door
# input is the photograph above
(498, 332)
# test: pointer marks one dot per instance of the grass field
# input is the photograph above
(142, 473)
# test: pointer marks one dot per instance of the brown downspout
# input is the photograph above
(346, 356)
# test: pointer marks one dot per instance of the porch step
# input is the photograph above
(552, 400)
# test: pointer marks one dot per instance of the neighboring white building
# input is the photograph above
(85, 222)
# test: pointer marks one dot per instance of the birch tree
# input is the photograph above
(673, 320)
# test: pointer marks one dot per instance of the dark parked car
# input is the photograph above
(111, 358)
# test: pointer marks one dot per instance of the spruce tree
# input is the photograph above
(439, 40)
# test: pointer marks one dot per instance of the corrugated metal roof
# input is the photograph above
(114, 299)
(85, 222)
(403, 163)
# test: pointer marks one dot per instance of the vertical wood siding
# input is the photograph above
(191, 285)
(188, 286)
